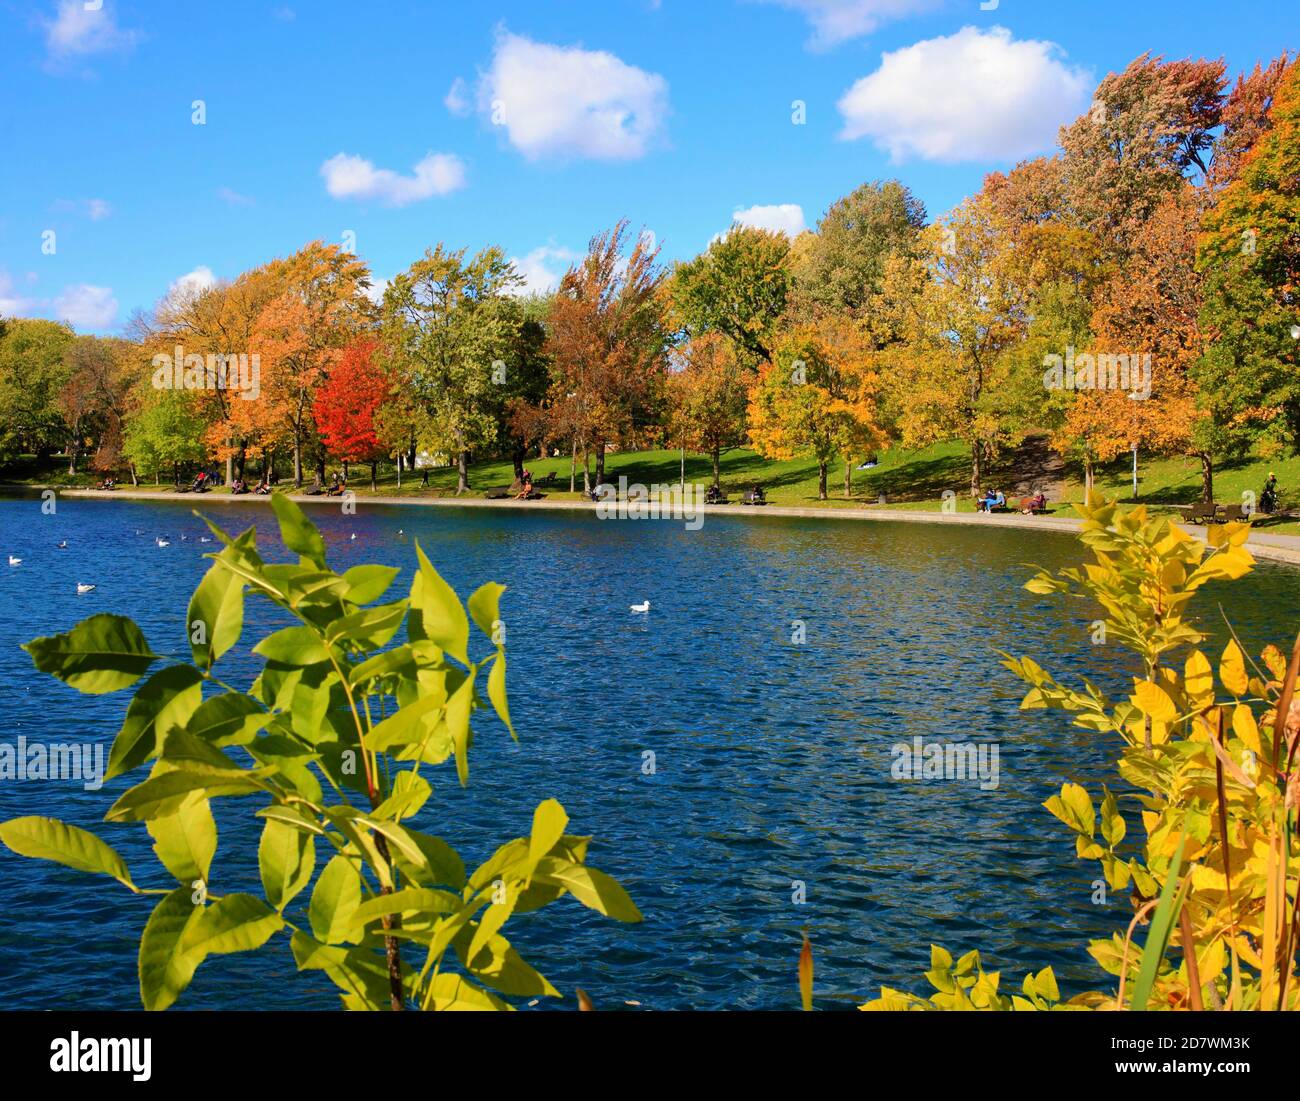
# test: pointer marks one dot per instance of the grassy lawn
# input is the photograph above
(912, 480)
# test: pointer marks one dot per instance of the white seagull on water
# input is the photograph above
(14, 561)
(642, 607)
(163, 542)
(82, 588)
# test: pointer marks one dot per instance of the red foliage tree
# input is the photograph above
(346, 404)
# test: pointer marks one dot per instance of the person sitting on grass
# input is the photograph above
(1268, 498)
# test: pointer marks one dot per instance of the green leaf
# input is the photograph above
(410, 792)
(502, 968)
(49, 839)
(298, 646)
(297, 532)
(286, 858)
(454, 992)
(356, 972)
(497, 691)
(101, 654)
(1162, 923)
(232, 718)
(370, 628)
(165, 970)
(436, 611)
(335, 900)
(589, 886)
(236, 923)
(186, 841)
(216, 615)
(367, 583)
(167, 699)
(549, 820)
(408, 725)
(485, 607)
(163, 794)
(410, 902)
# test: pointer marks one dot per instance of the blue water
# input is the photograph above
(773, 759)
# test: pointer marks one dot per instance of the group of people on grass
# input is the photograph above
(996, 499)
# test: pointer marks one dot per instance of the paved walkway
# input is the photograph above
(1279, 548)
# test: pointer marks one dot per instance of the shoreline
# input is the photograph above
(1275, 548)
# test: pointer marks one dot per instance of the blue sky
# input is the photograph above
(527, 124)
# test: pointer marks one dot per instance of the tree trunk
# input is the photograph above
(297, 463)
(240, 461)
(462, 472)
(374, 476)
(1207, 478)
(848, 477)
(410, 456)
(976, 468)
(1087, 479)
(72, 458)
(822, 467)
(717, 467)
(400, 464)
(573, 466)
(518, 454)
(345, 470)
(600, 462)
(230, 462)
(135, 481)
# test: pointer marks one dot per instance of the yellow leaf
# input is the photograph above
(1154, 702)
(1198, 679)
(1244, 726)
(1232, 669)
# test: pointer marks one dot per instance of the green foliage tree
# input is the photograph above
(330, 742)
(33, 372)
(445, 321)
(841, 268)
(737, 287)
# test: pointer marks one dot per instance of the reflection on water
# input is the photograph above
(772, 759)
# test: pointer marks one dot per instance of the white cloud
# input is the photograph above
(544, 267)
(567, 101)
(457, 99)
(77, 31)
(193, 282)
(86, 307)
(377, 288)
(351, 177)
(232, 197)
(94, 209)
(972, 96)
(784, 218)
(13, 304)
(836, 21)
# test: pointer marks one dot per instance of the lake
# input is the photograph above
(772, 758)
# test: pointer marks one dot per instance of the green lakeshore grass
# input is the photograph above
(907, 479)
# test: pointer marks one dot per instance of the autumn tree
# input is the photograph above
(1250, 257)
(961, 313)
(817, 397)
(606, 340)
(708, 397)
(93, 399)
(1149, 127)
(346, 403)
(298, 335)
